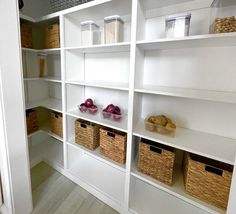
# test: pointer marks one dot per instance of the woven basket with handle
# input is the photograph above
(52, 36)
(87, 134)
(31, 121)
(113, 144)
(156, 160)
(207, 179)
(56, 123)
(26, 35)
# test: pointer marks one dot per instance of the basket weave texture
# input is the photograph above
(156, 160)
(57, 5)
(207, 180)
(56, 123)
(31, 121)
(113, 145)
(26, 35)
(87, 134)
(52, 36)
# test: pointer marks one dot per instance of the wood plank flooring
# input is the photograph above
(55, 194)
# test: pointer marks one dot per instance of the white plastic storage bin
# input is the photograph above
(113, 29)
(90, 33)
(178, 26)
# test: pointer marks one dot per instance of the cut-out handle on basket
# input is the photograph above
(214, 170)
(83, 125)
(155, 149)
(111, 134)
(56, 116)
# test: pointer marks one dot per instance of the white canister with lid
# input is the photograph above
(113, 29)
(90, 33)
(178, 25)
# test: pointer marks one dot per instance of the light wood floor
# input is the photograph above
(55, 194)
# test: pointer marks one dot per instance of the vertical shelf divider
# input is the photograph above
(63, 76)
(131, 101)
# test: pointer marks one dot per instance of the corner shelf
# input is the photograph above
(63, 12)
(43, 51)
(46, 129)
(117, 47)
(177, 189)
(51, 103)
(212, 146)
(27, 18)
(208, 40)
(49, 79)
(218, 96)
(96, 154)
(106, 85)
(98, 119)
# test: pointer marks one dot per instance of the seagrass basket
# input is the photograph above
(113, 144)
(31, 121)
(56, 123)
(207, 180)
(52, 36)
(156, 160)
(26, 35)
(87, 134)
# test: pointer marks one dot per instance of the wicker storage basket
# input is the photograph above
(31, 121)
(224, 25)
(26, 35)
(87, 134)
(56, 123)
(52, 36)
(156, 160)
(207, 179)
(113, 144)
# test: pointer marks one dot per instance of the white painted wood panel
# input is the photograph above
(211, 117)
(97, 174)
(145, 199)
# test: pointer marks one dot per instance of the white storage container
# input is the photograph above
(178, 26)
(90, 33)
(113, 29)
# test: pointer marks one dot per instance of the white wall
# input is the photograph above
(13, 112)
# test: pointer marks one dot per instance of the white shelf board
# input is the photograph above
(34, 133)
(43, 51)
(64, 12)
(107, 85)
(27, 18)
(29, 50)
(50, 51)
(177, 189)
(208, 40)
(204, 144)
(98, 119)
(51, 103)
(49, 79)
(151, 4)
(117, 47)
(218, 96)
(47, 130)
(96, 154)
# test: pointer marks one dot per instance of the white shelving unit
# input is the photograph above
(190, 79)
